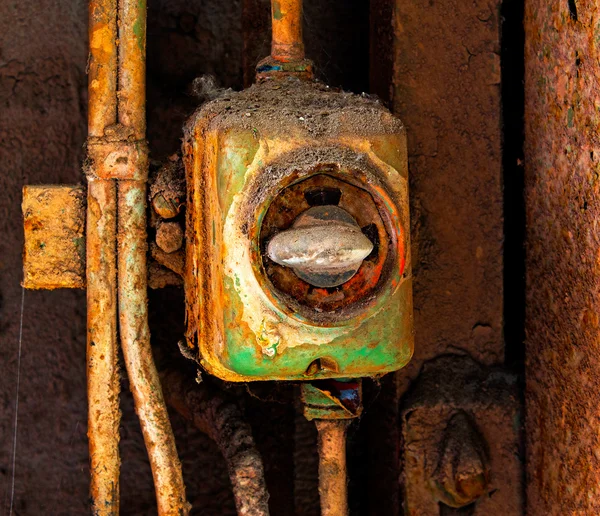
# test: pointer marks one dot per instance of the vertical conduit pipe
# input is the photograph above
(287, 44)
(132, 277)
(333, 482)
(103, 385)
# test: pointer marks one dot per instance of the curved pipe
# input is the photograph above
(103, 382)
(132, 271)
(223, 422)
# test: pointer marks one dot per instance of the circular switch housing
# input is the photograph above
(330, 220)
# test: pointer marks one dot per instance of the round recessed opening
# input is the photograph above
(328, 189)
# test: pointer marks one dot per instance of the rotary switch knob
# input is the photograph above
(325, 246)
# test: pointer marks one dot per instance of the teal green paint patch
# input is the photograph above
(237, 151)
(139, 27)
(373, 348)
(277, 14)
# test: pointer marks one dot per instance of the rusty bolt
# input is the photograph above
(166, 207)
(462, 474)
(169, 236)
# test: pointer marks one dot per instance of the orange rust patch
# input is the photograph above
(54, 224)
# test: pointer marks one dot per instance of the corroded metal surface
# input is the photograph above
(102, 352)
(463, 470)
(54, 224)
(238, 159)
(132, 275)
(332, 399)
(291, 202)
(287, 44)
(169, 236)
(461, 439)
(102, 72)
(333, 481)
(117, 155)
(103, 378)
(447, 91)
(213, 413)
(135, 342)
(562, 150)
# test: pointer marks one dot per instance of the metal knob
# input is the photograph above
(325, 246)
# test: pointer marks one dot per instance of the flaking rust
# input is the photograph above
(54, 224)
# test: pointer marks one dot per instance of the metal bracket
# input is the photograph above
(461, 428)
(54, 224)
(332, 399)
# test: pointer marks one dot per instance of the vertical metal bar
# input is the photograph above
(562, 168)
(287, 44)
(102, 352)
(132, 277)
(333, 481)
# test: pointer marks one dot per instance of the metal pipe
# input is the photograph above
(287, 44)
(221, 419)
(333, 481)
(562, 248)
(103, 385)
(132, 275)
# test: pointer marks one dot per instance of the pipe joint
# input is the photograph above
(117, 155)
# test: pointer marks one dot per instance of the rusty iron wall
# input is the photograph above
(563, 272)
(447, 90)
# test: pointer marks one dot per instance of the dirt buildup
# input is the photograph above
(276, 107)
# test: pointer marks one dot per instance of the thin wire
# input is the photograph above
(14, 458)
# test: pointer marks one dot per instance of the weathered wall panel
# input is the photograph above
(447, 92)
(446, 89)
(562, 99)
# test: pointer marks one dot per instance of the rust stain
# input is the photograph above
(461, 439)
(102, 68)
(54, 224)
(237, 162)
(103, 379)
(101, 277)
(562, 150)
(135, 342)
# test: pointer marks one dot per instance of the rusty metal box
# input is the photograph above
(253, 159)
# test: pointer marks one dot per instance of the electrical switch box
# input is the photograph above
(297, 254)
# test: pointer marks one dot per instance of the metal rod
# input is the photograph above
(287, 44)
(102, 353)
(333, 482)
(132, 276)
(221, 419)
